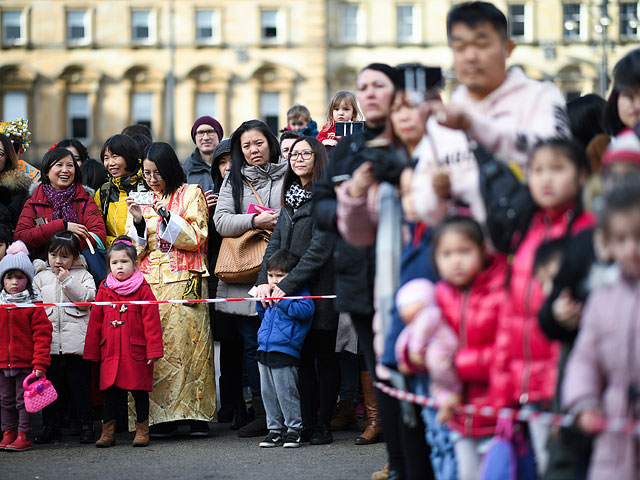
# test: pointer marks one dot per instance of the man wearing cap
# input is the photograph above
(206, 134)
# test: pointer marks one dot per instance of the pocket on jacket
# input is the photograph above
(138, 349)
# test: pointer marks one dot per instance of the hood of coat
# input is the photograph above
(267, 171)
(15, 180)
(41, 265)
(194, 164)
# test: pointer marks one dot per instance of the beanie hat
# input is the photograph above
(419, 289)
(207, 120)
(223, 147)
(389, 71)
(624, 148)
(17, 258)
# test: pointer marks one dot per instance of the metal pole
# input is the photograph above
(604, 65)
(171, 80)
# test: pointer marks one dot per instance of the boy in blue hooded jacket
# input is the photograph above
(285, 324)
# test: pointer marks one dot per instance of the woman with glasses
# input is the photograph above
(171, 238)
(255, 169)
(60, 203)
(14, 185)
(121, 158)
(297, 232)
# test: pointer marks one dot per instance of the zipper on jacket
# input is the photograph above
(464, 341)
(59, 297)
(9, 324)
(526, 345)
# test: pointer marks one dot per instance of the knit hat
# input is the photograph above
(414, 291)
(624, 148)
(17, 258)
(207, 120)
(223, 147)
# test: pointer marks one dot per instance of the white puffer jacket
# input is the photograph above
(69, 323)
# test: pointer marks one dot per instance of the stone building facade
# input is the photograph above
(87, 68)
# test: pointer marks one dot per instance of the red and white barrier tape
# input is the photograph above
(160, 302)
(613, 425)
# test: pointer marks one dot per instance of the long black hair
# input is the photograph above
(169, 168)
(11, 159)
(585, 117)
(320, 159)
(238, 161)
(626, 77)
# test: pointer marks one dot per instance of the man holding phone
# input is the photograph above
(504, 111)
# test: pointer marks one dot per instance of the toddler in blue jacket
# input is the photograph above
(285, 324)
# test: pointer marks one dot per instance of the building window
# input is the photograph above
(206, 104)
(142, 27)
(207, 27)
(78, 115)
(14, 105)
(13, 31)
(629, 19)
(269, 28)
(142, 108)
(270, 109)
(572, 21)
(349, 24)
(517, 21)
(407, 24)
(78, 27)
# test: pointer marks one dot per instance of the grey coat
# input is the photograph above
(197, 171)
(298, 233)
(267, 180)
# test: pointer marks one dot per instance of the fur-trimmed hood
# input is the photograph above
(15, 180)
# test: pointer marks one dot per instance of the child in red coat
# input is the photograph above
(25, 343)
(470, 294)
(126, 340)
(342, 108)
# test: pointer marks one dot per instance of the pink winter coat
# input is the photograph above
(603, 363)
(525, 363)
(432, 337)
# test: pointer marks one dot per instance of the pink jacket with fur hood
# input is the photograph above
(508, 122)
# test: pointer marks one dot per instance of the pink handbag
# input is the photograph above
(39, 394)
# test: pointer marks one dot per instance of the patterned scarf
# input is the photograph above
(128, 286)
(22, 297)
(297, 196)
(62, 202)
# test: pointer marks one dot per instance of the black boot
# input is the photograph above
(258, 427)
(86, 433)
(240, 416)
(226, 411)
(49, 434)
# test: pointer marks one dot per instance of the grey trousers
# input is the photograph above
(281, 398)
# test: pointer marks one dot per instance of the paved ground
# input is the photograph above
(222, 456)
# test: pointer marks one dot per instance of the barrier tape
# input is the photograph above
(612, 425)
(160, 302)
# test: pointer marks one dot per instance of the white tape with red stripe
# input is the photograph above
(160, 302)
(613, 425)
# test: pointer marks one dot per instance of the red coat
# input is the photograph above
(25, 338)
(473, 314)
(36, 237)
(123, 350)
(526, 361)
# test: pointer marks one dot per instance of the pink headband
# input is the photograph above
(126, 242)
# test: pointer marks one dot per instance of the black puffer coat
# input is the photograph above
(298, 233)
(14, 191)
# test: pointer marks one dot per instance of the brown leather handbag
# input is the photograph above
(240, 258)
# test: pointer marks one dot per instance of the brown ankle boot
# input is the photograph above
(142, 434)
(108, 438)
(345, 417)
(373, 431)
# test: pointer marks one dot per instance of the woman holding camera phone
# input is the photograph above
(355, 265)
(171, 237)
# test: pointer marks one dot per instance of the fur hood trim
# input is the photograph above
(15, 180)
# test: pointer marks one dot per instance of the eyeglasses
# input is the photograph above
(2, 154)
(306, 155)
(209, 133)
(155, 175)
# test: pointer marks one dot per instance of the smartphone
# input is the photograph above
(344, 129)
(338, 179)
(421, 82)
(142, 198)
(252, 208)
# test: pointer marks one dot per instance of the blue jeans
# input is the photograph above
(248, 328)
(439, 437)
